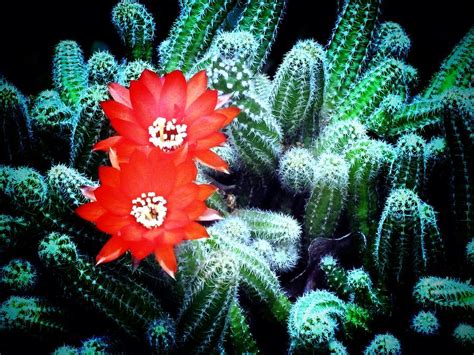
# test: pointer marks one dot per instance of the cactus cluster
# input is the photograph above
(346, 192)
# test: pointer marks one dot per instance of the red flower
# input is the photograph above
(148, 206)
(168, 113)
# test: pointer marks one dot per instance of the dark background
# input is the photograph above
(30, 30)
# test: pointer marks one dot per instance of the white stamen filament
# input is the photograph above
(167, 134)
(149, 210)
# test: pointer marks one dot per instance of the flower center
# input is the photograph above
(167, 134)
(149, 210)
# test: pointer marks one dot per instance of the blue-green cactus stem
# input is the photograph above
(348, 47)
(52, 121)
(27, 190)
(12, 230)
(32, 316)
(459, 133)
(239, 332)
(235, 228)
(103, 68)
(192, 33)
(435, 156)
(339, 136)
(380, 120)
(18, 275)
(261, 18)
(161, 335)
(457, 69)
(15, 133)
(263, 86)
(367, 94)
(124, 301)
(366, 158)
(65, 185)
(69, 72)
(136, 28)
(470, 252)
(96, 345)
(360, 285)
(328, 197)
(66, 350)
(383, 344)
(444, 293)
(390, 41)
(297, 169)
(91, 126)
(464, 334)
(408, 168)
(408, 242)
(314, 320)
(132, 71)
(336, 276)
(425, 323)
(293, 97)
(209, 293)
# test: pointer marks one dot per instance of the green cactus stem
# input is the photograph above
(348, 47)
(69, 72)
(261, 18)
(16, 133)
(336, 276)
(408, 168)
(328, 198)
(456, 70)
(297, 169)
(12, 231)
(383, 344)
(96, 345)
(102, 67)
(136, 28)
(18, 275)
(192, 33)
(339, 136)
(132, 71)
(131, 306)
(425, 323)
(239, 332)
(445, 293)
(470, 251)
(464, 334)
(408, 242)
(390, 41)
(161, 335)
(51, 121)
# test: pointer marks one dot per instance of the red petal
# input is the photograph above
(111, 199)
(114, 160)
(205, 126)
(211, 141)
(175, 219)
(195, 231)
(212, 160)
(131, 130)
(117, 111)
(210, 215)
(153, 235)
(167, 259)
(182, 196)
(109, 176)
(202, 106)
(90, 211)
(205, 190)
(164, 173)
(153, 83)
(105, 144)
(132, 232)
(136, 175)
(111, 224)
(173, 94)
(120, 94)
(141, 249)
(88, 192)
(144, 103)
(195, 210)
(185, 173)
(230, 113)
(172, 237)
(114, 248)
(197, 85)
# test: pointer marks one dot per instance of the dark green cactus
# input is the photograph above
(425, 323)
(102, 67)
(383, 344)
(297, 169)
(161, 335)
(464, 335)
(239, 331)
(136, 28)
(18, 275)
(390, 41)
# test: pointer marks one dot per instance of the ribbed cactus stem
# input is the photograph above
(456, 70)
(463, 334)
(366, 95)
(383, 344)
(127, 303)
(132, 71)
(12, 231)
(339, 136)
(425, 323)
(408, 242)
(390, 41)
(69, 72)
(192, 33)
(32, 315)
(336, 276)
(209, 294)
(261, 18)
(239, 331)
(297, 169)
(293, 97)
(161, 335)
(136, 28)
(27, 190)
(459, 131)
(91, 126)
(408, 168)
(445, 293)
(327, 200)
(102, 67)
(51, 120)
(18, 275)
(348, 47)
(15, 133)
